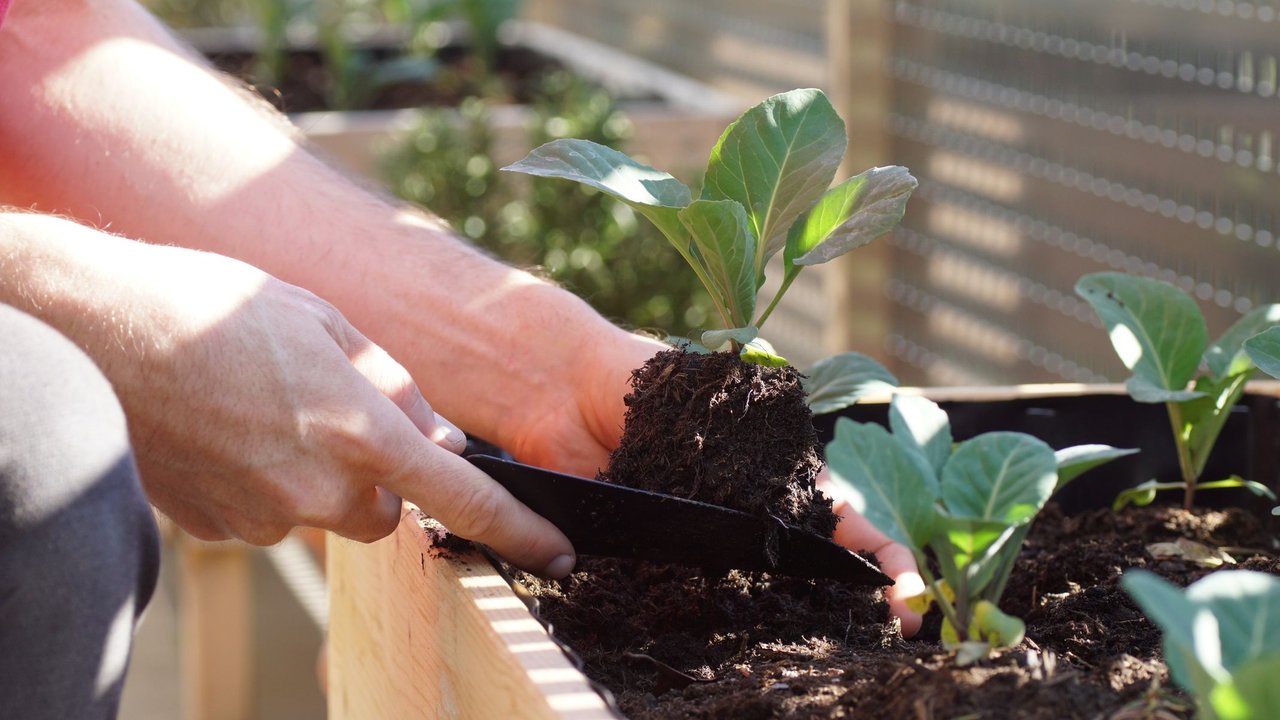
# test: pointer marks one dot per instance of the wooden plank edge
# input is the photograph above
(416, 633)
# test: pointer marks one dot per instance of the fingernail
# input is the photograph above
(560, 567)
(447, 432)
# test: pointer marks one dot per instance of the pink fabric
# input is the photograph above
(4, 10)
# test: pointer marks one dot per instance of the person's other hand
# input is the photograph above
(577, 432)
(254, 406)
(857, 534)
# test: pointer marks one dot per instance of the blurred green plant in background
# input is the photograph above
(581, 239)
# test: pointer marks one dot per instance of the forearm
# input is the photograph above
(112, 123)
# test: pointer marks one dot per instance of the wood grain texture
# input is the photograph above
(415, 634)
(216, 626)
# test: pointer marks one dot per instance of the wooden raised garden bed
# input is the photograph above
(421, 631)
(674, 117)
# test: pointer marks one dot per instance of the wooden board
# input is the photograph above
(414, 634)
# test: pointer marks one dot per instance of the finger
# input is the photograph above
(395, 383)
(474, 506)
(372, 518)
(858, 534)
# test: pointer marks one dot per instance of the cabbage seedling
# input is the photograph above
(969, 506)
(1161, 337)
(1221, 639)
(767, 189)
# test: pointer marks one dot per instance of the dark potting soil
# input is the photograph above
(671, 643)
(305, 86)
(715, 429)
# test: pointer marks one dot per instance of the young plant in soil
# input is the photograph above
(967, 507)
(767, 189)
(1221, 639)
(1161, 337)
(733, 428)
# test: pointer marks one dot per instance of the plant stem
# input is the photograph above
(948, 611)
(786, 283)
(1184, 454)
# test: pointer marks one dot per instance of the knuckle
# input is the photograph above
(475, 511)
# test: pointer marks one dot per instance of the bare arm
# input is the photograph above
(106, 119)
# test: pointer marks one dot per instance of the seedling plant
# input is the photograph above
(964, 509)
(1161, 337)
(767, 190)
(1221, 639)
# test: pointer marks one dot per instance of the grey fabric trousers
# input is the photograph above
(79, 551)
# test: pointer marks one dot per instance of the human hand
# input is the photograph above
(254, 406)
(577, 433)
(857, 534)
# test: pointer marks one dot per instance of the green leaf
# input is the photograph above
(1075, 461)
(1207, 414)
(655, 194)
(723, 237)
(1264, 350)
(1143, 390)
(841, 380)
(1247, 606)
(1219, 625)
(1155, 328)
(920, 424)
(1228, 356)
(776, 160)
(850, 215)
(1140, 495)
(990, 623)
(1168, 607)
(761, 352)
(999, 476)
(974, 547)
(715, 339)
(684, 343)
(1251, 694)
(889, 484)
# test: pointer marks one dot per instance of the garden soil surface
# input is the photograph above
(672, 642)
(305, 85)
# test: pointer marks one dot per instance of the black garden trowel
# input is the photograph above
(616, 521)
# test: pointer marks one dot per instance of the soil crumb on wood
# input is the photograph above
(715, 429)
(754, 646)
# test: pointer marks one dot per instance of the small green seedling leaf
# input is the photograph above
(1075, 461)
(727, 248)
(1215, 633)
(841, 380)
(655, 194)
(684, 343)
(760, 352)
(851, 215)
(1155, 328)
(776, 160)
(889, 484)
(1251, 694)
(997, 628)
(1275, 510)
(1228, 356)
(1145, 391)
(1206, 415)
(716, 339)
(919, 423)
(999, 476)
(1264, 350)
(1140, 495)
